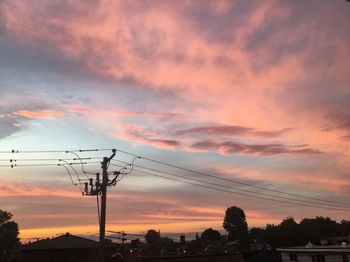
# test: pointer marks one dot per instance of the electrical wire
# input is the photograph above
(231, 180)
(122, 174)
(119, 175)
(52, 151)
(87, 163)
(33, 165)
(98, 209)
(47, 159)
(70, 175)
(42, 165)
(75, 171)
(242, 190)
(235, 188)
(239, 193)
(81, 162)
(132, 164)
(125, 234)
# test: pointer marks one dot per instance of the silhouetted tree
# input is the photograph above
(236, 225)
(108, 241)
(198, 242)
(287, 233)
(345, 227)
(290, 233)
(135, 243)
(152, 237)
(210, 235)
(197, 237)
(8, 233)
(315, 229)
(290, 230)
(166, 242)
(258, 235)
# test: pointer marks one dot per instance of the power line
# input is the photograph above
(78, 158)
(71, 178)
(34, 165)
(47, 159)
(46, 165)
(90, 188)
(241, 194)
(53, 151)
(70, 175)
(230, 180)
(235, 188)
(126, 234)
(326, 206)
(81, 162)
(71, 167)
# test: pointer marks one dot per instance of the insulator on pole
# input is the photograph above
(98, 178)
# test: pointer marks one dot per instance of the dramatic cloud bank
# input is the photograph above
(251, 90)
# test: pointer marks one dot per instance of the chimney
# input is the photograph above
(183, 239)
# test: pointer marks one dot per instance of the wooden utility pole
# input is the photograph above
(103, 190)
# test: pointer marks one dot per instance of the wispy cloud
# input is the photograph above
(38, 114)
(230, 148)
(230, 130)
(202, 139)
(8, 126)
(339, 122)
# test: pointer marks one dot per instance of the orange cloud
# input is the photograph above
(163, 222)
(39, 114)
(10, 188)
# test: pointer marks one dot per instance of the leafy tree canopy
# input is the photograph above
(8, 232)
(291, 233)
(210, 235)
(235, 222)
(236, 225)
(152, 237)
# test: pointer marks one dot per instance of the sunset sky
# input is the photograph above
(256, 91)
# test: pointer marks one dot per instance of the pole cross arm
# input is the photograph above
(113, 155)
(112, 182)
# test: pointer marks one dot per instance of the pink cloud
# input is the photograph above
(133, 39)
(132, 132)
(228, 81)
(221, 7)
(257, 79)
(322, 180)
(122, 42)
(202, 139)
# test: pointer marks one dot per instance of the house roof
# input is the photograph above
(66, 241)
(318, 249)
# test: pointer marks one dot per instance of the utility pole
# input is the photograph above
(103, 190)
(123, 239)
(103, 209)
